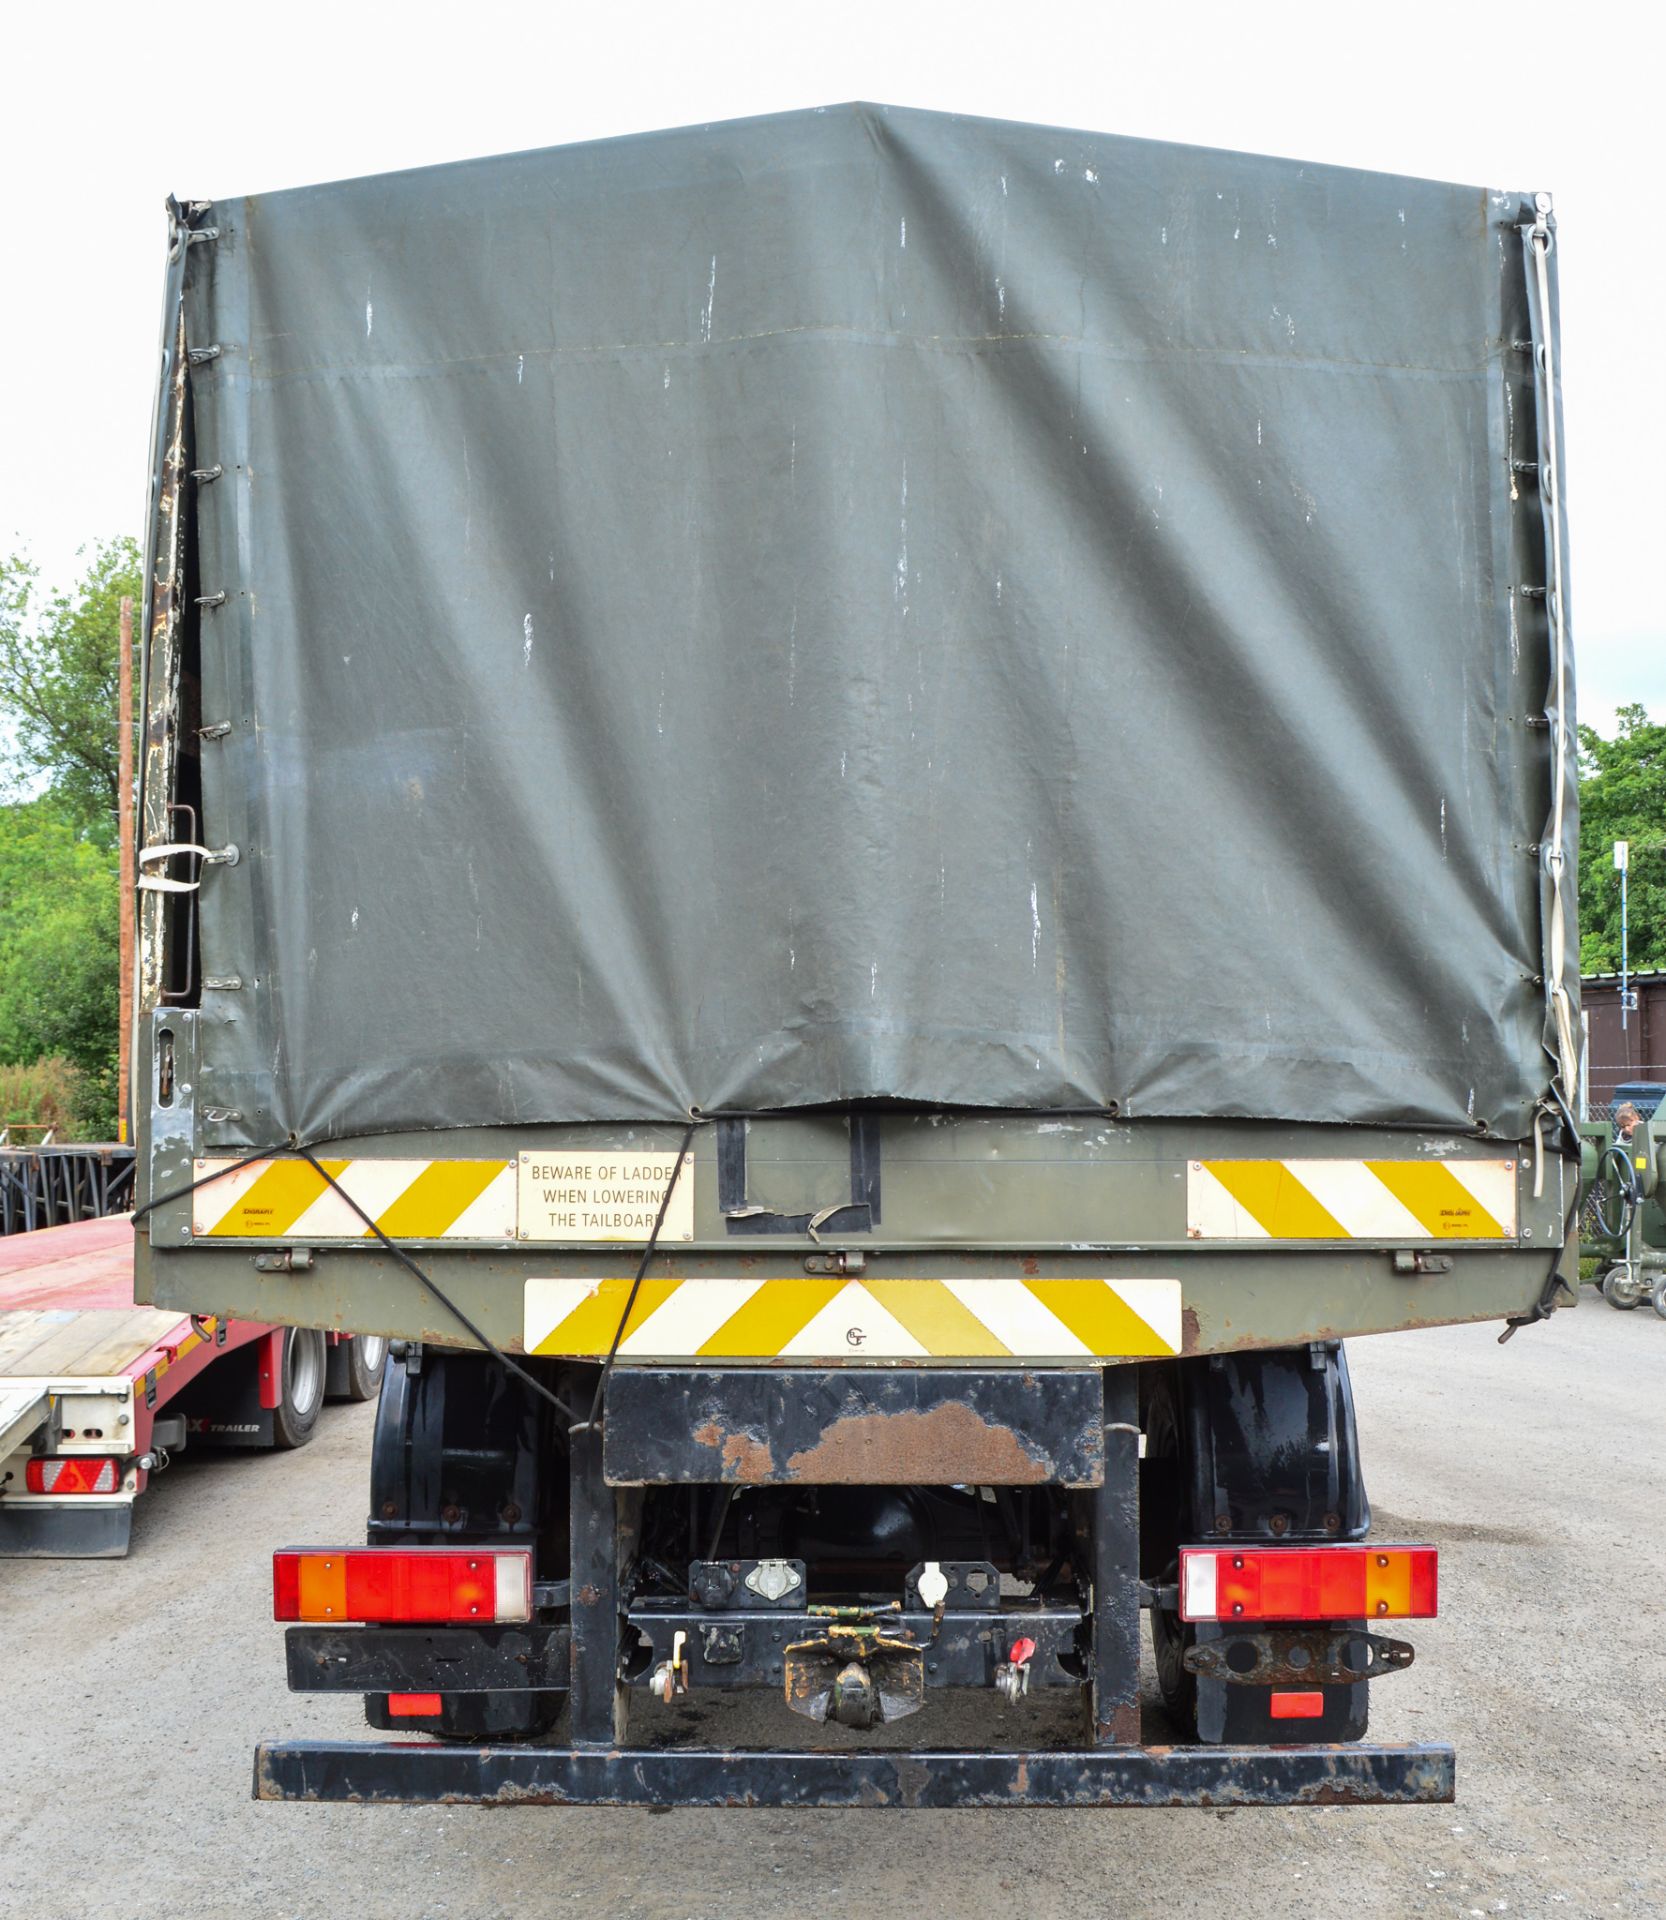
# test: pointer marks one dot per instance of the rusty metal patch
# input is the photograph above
(860, 1427)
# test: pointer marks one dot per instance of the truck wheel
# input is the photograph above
(1657, 1299)
(355, 1369)
(1621, 1289)
(302, 1392)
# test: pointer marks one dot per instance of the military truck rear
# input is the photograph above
(871, 822)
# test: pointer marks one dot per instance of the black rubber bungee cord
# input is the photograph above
(295, 1149)
(641, 1269)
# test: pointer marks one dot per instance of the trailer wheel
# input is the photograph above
(1622, 1289)
(355, 1369)
(302, 1392)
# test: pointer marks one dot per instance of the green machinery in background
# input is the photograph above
(1623, 1219)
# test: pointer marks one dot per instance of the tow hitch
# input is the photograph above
(855, 1672)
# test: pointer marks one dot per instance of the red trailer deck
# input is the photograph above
(96, 1391)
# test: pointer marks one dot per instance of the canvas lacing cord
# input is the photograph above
(1540, 240)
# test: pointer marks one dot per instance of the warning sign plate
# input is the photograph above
(586, 1197)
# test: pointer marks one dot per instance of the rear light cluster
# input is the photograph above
(1307, 1583)
(391, 1584)
(72, 1476)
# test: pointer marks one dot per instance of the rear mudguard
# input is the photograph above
(1272, 1454)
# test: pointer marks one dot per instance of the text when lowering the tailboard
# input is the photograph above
(599, 1197)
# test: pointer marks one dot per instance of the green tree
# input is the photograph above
(59, 768)
(58, 679)
(59, 902)
(1622, 796)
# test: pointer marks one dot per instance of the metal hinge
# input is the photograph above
(1408, 1260)
(843, 1261)
(285, 1260)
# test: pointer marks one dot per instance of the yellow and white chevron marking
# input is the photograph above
(1351, 1200)
(408, 1200)
(856, 1321)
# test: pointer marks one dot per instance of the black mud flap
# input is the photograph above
(1234, 1712)
(221, 1406)
(31, 1532)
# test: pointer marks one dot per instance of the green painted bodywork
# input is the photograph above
(964, 1195)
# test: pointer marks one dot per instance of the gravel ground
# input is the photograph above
(135, 1691)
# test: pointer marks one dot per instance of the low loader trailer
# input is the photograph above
(867, 820)
(96, 1393)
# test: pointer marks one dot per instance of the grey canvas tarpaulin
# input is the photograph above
(869, 604)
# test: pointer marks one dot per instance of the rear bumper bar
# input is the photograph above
(410, 1773)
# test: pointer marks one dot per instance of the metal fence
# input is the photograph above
(1593, 1243)
(49, 1186)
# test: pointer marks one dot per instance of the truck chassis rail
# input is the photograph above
(409, 1773)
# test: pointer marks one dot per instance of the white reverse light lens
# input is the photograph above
(514, 1586)
(1197, 1577)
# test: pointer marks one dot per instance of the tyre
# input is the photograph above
(1657, 1299)
(1621, 1289)
(355, 1367)
(301, 1395)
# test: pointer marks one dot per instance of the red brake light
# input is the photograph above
(72, 1476)
(1308, 1583)
(388, 1584)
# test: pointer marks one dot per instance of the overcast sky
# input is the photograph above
(109, 109)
